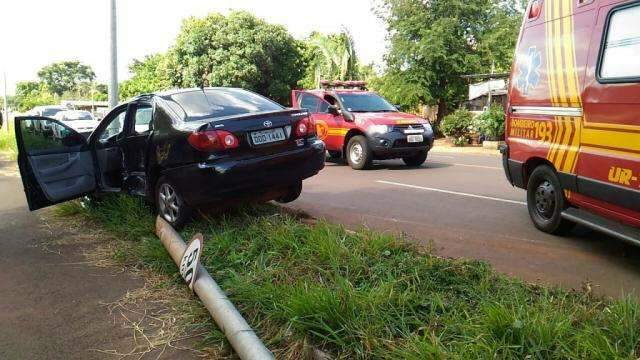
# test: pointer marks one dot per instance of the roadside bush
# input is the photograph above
(458, 126)
(491, 123)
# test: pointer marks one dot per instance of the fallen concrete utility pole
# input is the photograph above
(240, 335)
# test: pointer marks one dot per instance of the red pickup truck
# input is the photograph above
(361, 126)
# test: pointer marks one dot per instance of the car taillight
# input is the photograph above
(305, 127)
(213, 140)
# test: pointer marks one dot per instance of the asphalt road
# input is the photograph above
(463, 206)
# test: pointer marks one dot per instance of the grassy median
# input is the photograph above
(367, 295)
(8, 143)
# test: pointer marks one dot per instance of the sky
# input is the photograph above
(39, 32)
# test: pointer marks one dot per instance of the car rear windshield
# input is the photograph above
(365, 102)
(50, 112)
(217, 103)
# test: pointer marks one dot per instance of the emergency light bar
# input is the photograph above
(351, 84)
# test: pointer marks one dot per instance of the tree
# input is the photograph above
(433, 43)
(236, 50)
(30, 94)
(65, 76)
(149, 75)
(331, 57)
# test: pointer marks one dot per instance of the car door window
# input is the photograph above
(37, 141)
(115, 127)
(142, 119)
(621, 51)
(312, 103)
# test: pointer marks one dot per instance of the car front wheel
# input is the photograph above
(359, 155)
(546, 201)
(416, 160)
(171, 207)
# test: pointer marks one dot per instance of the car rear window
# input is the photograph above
(50, 112)
(216, 103)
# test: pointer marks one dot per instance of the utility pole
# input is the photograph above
(113, 56)
(6, 105)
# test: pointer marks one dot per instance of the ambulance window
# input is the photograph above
(621, 51)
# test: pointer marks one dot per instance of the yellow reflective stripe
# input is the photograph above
(614, 140)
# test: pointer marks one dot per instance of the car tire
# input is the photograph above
(170, 204)
(415, 160)
(293, 192)
(546, 201)
(359, 155)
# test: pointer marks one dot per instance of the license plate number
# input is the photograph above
(267, 136)
(415, 138)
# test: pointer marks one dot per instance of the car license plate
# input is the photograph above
(267, 136)
(415, 138)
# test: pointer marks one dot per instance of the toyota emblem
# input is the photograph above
(267, 123)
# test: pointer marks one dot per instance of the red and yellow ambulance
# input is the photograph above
(573, 122)
(361, 126)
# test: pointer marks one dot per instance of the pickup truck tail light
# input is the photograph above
(213, 140)
(305, 127)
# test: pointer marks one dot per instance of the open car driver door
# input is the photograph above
(55, 162)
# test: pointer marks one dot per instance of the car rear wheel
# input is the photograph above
(546, 201)
(416, 160)
(359, 155)
(293, 192)
(171, 207)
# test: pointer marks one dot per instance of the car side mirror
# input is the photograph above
(348, 116)
(333, 110)
(398, 106)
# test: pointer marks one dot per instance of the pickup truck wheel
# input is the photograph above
(546, 201)
(171, 207)
(359, 155)
(415, 160)
(293, 192)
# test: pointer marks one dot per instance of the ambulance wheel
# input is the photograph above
(416, 160)
(359, 156)
(546, 201)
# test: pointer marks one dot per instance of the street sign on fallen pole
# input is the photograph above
(240, 335)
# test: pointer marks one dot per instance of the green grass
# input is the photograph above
(367, 295)
(8, 143)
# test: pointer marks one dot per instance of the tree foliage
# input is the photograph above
(433, 43)
(149, 75)
(65, 76)
(236, 50)
(30, 94)
(330, 57)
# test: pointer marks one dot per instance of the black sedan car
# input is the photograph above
(180, 149)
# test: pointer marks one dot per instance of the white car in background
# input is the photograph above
(79, 120)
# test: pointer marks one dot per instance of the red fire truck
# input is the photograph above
(573, 125)
(361, 126)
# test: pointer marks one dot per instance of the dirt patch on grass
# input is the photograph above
(165, 320)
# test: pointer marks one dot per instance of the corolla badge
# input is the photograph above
(267, 123)
(528, 76)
